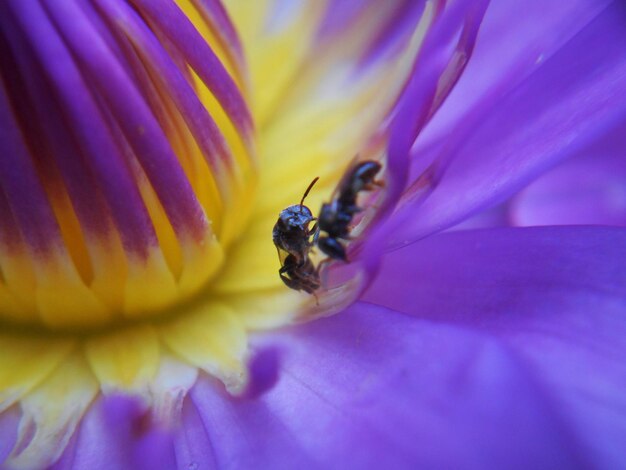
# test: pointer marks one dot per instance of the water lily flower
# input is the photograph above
(147, 147)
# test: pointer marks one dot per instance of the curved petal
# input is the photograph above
(555, 295)
(576, 96)
(588, 189)
(371, 388)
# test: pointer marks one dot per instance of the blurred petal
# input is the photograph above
(334, 104)
(556, 295)
(276, 36)
(588, 189)
(373, 388)
(572, 99)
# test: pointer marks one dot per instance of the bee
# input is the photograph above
(335, 217)
(293, 240)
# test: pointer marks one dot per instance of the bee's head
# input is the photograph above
(295, 217)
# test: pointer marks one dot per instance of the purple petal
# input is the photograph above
(515, 37)
(453, 35)
(421, 95)
(588, 189)
(555, 295)
(10, 237)
(194, 448)
(9, 421)
(371, 388)
(117, 433)
(575, 96)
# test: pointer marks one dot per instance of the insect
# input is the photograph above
(335, 217)
(291, 232)
(292, 238)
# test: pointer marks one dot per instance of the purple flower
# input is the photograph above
(146, 150)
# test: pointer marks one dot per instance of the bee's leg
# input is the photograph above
(285, 273)
(291, 283)
(332, 248)
(316, 234)
(309, 287)
(297, 280)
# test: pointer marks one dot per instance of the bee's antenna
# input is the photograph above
(306, 193)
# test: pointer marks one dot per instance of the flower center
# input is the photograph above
(131, 167)
(129, 175)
